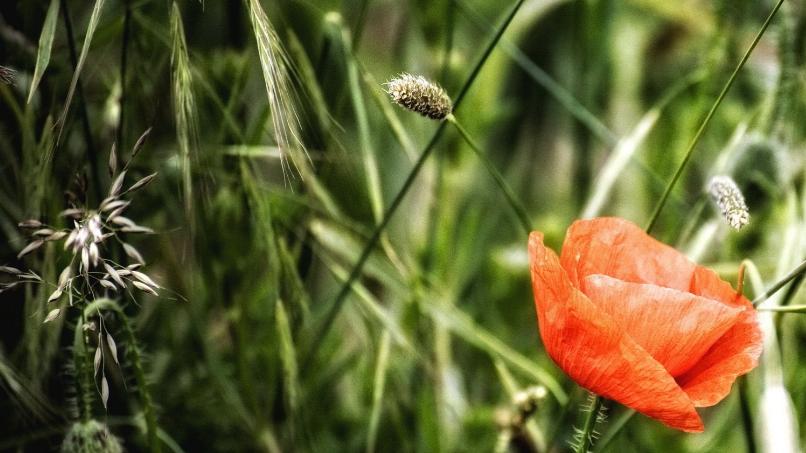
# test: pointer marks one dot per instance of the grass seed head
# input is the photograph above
(7, 75)
(420, 95)
(730, 201)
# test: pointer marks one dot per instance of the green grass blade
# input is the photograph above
(45, 44)
(288, 357)
(463, 326)
(707, 120)
(378, 386)
(85, 48)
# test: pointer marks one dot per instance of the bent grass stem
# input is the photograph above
(512, 199)
(697, 136)
(346, 288)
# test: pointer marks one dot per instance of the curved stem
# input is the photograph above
(512, 199)
(395, 204)
(708, 117)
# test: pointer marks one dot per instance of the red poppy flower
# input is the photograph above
(633, 320)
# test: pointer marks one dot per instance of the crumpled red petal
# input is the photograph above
(735, 354)
(677, 329)
(596, 352)
(620, 249)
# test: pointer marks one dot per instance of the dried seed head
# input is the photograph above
(7, 75)
(53, 314)
(728, 198)
(420, 95)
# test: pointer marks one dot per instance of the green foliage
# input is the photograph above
(279, 158)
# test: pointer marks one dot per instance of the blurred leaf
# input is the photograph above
(45, 43)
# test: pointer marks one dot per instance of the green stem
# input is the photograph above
(338, 302)
(590, 422)
(85, 118)
(124, 53)
(512, 199)
(708, 117)
(786, 309)
(134, 355)
(795, 273)
(83, 375)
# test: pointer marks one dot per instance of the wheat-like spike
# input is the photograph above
(729, 199)
(277, 71)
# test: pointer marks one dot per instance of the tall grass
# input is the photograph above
(340, 274)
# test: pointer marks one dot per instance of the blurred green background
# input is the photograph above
(586, 107)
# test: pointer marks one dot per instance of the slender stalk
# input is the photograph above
(439, 167)
(338, 302)
(358, 30)
(785, 309)
(512, 199)
(708, 117)
(149, 412)
(539, 75)
(448, 49)
(590, 421)
(795, 273)
(124, 51)
(85, 118)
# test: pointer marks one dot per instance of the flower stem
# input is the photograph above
(512, 199)
(796, 272)
(786, 309)
(709, 116)
(338, 302)
(586, 441)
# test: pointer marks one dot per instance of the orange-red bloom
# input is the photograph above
(635, 321)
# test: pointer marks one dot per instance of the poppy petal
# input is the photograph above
(593, 350)
(619, 248)
(674, 327)
(735, 354)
